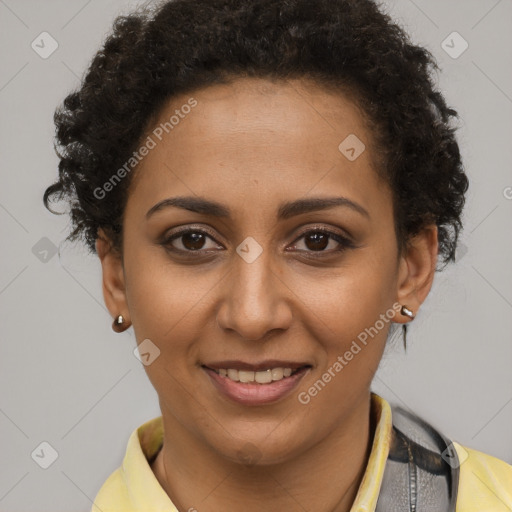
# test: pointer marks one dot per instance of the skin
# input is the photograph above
(252, 145)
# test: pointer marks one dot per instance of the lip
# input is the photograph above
(253, 393)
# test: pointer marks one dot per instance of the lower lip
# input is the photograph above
(252, 393)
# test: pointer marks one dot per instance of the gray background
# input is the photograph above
(68, 379)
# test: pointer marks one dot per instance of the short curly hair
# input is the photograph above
(155, 53)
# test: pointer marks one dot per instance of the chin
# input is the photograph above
(260, 450)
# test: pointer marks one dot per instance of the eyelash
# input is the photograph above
(342, 240)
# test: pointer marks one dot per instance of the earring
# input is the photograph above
(117, 324)
(405, 311)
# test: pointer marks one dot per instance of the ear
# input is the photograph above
(416, 270)
(113, 279)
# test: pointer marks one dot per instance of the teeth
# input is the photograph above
(244, 376)
(277, 373)
(233, 375)
(261, 377)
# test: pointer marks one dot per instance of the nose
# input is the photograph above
(255, 300)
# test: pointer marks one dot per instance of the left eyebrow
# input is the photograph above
(286, 210)
(301, 206)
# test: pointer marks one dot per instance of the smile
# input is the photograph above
(258, 386)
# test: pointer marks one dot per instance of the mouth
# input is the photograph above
(256, 384)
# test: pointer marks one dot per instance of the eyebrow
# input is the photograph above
(286, 210)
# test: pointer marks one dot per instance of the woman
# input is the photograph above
(270, 186)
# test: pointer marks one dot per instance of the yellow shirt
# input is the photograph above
(485, 482)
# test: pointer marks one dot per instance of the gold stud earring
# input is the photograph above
(405, 311)
(117, 324)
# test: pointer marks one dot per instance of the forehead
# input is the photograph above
(255, 136)
(250, 111)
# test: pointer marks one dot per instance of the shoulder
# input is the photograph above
(133, 487)
(112, 496)
(485, 482)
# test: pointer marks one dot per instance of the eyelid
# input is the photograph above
(181, 230)
(325, 229)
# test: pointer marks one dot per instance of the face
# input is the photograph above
(279, 257)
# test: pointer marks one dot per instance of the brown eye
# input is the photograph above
(189, 240)
(318, 240)
(193, 240)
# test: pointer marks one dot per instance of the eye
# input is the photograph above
(318, 239)
(189, 240)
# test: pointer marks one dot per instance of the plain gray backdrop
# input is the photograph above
(68, 380)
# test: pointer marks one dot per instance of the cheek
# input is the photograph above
(165, 305)
(353, 298)
(164, 309)
(355, 309)
(351, 352)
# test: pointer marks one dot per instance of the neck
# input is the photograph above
(326, 477)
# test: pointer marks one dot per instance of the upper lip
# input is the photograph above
(259, 366)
